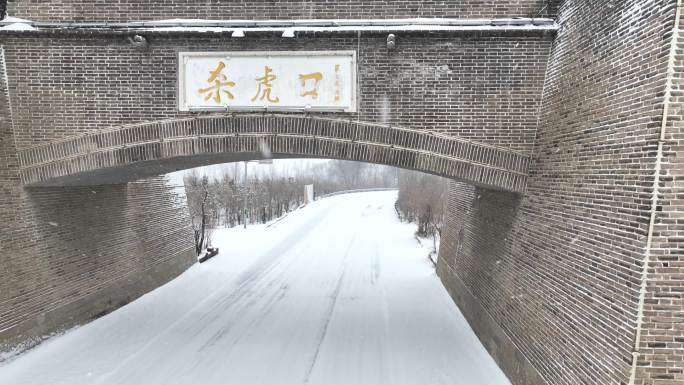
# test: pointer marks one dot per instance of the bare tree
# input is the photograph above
(270, 193)
(199, 233)
(422, 200)
(197, 191)
(349, 172)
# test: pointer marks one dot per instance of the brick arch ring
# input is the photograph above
(133, 151)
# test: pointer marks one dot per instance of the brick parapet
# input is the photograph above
(481, 88)
(127, 10)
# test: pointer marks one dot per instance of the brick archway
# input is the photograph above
(162, 146)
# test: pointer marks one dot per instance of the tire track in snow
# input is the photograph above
(375, 266)
(261, 268)
(266, 264)
(371, 314)
(329, 312)
(273, 297)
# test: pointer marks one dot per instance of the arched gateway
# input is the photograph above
(558, 121)
(133, 152)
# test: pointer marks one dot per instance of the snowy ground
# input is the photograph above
(338, 292)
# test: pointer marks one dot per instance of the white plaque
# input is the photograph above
(297, 80)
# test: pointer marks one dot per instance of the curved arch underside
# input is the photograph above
(134, 151)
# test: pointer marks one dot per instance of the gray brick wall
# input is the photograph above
(128, 10)
(132, 152)
(12, 226)
(9, 161)
(71, 254)
(494, 289)
(87, 251)
(484, 88)
(661, 347)
(563, 284)
(62, 85)
(554, 274)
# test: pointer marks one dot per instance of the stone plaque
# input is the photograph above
(297, 80)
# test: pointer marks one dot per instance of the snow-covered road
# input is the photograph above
(338, 292)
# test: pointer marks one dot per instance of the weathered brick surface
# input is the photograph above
(87, 240)
(69, 254)
(436, 82)
(128, 10)
(563, 279)
(65, 85)
(661, 348)
(12, 225)
(170, 144)
(557, 271)
(476, 267)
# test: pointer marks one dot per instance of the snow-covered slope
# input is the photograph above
(336, 293)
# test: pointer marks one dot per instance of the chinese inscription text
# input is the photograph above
(313, 91)
(265, 86)
(267, 81)
(220, 81)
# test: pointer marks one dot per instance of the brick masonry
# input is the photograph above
(477, 269)
(430, 81)
(563, 280)
(91, 83)
(68, 255)
(661, 345)
(550, 280)
(89, 250)
(129, 10)
(152, 148)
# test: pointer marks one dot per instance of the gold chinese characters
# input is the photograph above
(220, 81)
(265, 86)
(222, 86)
(316, 77)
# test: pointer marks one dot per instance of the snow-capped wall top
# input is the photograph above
(141, 10)
(307, 25)
(15, 24)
